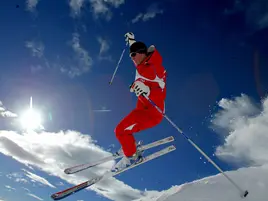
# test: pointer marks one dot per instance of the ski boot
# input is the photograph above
(137, 157)
(128, 161)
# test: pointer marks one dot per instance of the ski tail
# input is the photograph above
(79, 187)
(69, 191)
(115, 156)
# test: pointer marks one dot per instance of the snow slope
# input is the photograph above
(218, 188)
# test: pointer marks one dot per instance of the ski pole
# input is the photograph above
(242, 192)
(118, 63)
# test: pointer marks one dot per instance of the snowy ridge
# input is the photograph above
(217, 188)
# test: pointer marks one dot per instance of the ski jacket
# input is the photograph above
(152, 73)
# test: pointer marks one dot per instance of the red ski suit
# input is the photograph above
(145, 115)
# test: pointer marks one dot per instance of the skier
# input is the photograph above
(150, 80)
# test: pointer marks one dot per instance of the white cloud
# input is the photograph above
(100, 8)
(10, 188)
(5, 113)
(115, 3)
(137, 18)
(53, 157)
(245, 124)
(34, 196)
(22, 180)
(104, 47)
(151, 13)
(60, 184)
(37, 48)
(26, 189)
(17, 177)
(80, 63)
(76, 6)
(256, 12)
(36, 178)
(8, 114)
(31, 4)
(83, 61)
(103, 7)
(81, 56)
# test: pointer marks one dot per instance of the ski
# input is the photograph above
(115, 156)
(74, 189)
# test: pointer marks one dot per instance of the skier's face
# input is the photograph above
(137, 58)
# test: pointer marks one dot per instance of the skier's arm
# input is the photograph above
(153, 65)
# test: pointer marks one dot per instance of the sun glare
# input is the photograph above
(30, 120)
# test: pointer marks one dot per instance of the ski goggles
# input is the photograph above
(133, 54)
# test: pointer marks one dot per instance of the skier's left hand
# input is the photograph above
(139, 88)
(130, 38)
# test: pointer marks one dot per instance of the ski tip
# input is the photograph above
(66, 171)
(245, 194)
(171, 148)
(55, 196)
(171, 138)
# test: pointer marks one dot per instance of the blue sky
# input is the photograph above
(64, 53)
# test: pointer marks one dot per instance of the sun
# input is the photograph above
(30, 119)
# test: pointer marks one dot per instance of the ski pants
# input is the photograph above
(137, 120)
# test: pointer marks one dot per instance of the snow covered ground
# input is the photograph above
(218, 188)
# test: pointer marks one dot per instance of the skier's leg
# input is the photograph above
(136, 121)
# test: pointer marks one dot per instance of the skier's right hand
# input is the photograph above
(130, 38)
(139, 88)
